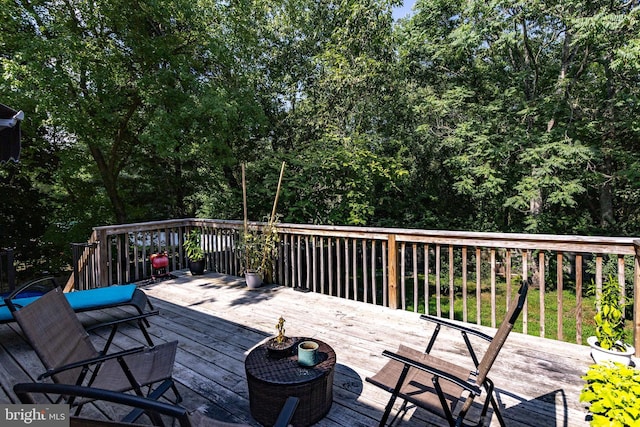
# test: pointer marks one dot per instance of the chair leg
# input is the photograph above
(443, 402)
(494, 403)
(394, 396)
(176, 392)
(132, 416)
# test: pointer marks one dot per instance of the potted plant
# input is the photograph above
(608, 342)
(195, 253)
(280, 345)
(257, 249)
(612, 392)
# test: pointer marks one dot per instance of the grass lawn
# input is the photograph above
(533, 308)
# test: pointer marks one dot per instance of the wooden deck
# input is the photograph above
(217, 320)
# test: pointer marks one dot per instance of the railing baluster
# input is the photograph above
(365, 271)
(307, 250)
(414, 250)
(560, 311)
(321, 272)
(579, 298)
(403, 273)
(507, 274)
(354, 246)
(392, 262)
(339, 268)
(541, 274)
(347, 268)
(299, 260)
(452, 291)
(636, 296)
(621, 282)
(598, 281)
(426, 279)
(374, 288)
(525, 276)
(478, 286)
(330, 261)
(465, 308)
(492, 255)
(385, 275)
(438, 291)
(315, 257)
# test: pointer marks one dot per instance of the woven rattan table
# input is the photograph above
(272, 380)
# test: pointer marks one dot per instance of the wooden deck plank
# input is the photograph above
(217, 320)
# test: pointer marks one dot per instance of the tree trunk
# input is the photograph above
(606, 205)
(109, 180)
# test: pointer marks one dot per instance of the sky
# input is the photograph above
(401, 12)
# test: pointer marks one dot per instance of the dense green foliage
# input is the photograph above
(503, 115)
(612, 392)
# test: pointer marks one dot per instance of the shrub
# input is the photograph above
(612, 390)
(192, 246)
(609, 320)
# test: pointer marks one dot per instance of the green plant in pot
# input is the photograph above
(612, 391)
(257, 250)
(608, 342)
(193, 249)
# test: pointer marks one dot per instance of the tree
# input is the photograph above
(332, 101)
(517, 106)
(145, 89)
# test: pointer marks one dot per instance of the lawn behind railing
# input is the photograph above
(463, 275)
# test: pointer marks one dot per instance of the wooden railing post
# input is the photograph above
(636, 297)
(103, 258)
(392, 257)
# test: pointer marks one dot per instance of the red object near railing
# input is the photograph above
(159, 265)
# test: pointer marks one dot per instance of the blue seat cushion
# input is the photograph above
(5, 313)
(100, 297)
(81, 300)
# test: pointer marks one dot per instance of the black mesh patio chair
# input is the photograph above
(69, 356)
(437, 385)
(158, 413)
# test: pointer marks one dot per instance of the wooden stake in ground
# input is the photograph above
(275, 201)
(244, 204)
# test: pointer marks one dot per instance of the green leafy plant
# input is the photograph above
(609, 319)
(192, 246)
(612, 390)
(257, 249)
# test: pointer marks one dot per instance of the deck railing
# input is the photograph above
(463, 275)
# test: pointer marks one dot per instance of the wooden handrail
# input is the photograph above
(388, 265)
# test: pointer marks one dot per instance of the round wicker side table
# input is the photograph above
(271, 381)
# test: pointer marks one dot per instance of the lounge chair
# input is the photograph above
(152, 408)
(82, 301)
(69, 356)
(437, 385)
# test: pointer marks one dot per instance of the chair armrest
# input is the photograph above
(92, 361)
(9, 298)
(465, 384)
(123, 320)
(287, 411)
(140, 318)
(22, 391)
(452, 325)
